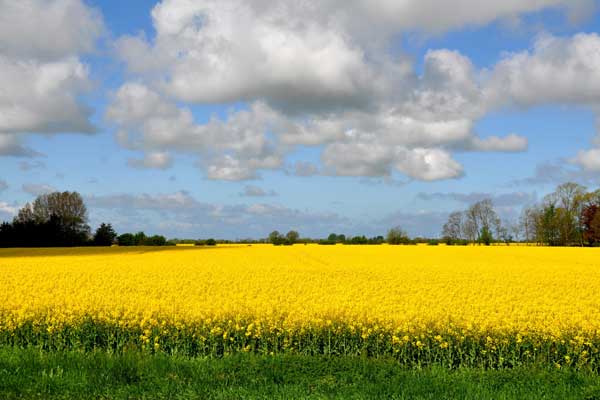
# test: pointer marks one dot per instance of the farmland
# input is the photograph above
(455, 307)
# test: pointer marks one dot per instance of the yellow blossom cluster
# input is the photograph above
(493, 306)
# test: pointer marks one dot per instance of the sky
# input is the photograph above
(233, 118)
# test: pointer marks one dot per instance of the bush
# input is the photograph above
(397, 236)
(126, 239)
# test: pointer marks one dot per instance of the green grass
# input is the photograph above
(35, 374)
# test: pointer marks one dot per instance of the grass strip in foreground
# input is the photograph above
(34, 374)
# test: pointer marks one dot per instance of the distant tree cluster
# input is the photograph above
(207, 242)
(60, 219)
(477, 224)
(55, 219)
(289, 239)
(140, 239)
(343, 239)
(570, 216)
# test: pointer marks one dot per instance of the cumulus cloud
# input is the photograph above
(42, 79)
(555, 70)
(255, 191)
(317, 74)
(589, 160)
(36, 189)
(26, 26)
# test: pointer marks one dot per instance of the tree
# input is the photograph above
(452, 229)
(528, 224)
(54, 219)
(276, 238)
(397, 236)
(126, 239)
(591, 224)
(155, 240)
(568, 200)
(292, 237)
(68, 206)
(479, 216)
(485, 236)
(104, 236)
(139, 239)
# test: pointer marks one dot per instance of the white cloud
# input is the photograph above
(589, 160)
(47, 29)
(556, 70)
(311, 74)
(43, 96)
(40, 73)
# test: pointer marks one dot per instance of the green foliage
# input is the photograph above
(140, 239)
(105, 235)
(397, 236)
(34, 374)
(278, 239)
(485, 236)
(292, 237)
(126, 239)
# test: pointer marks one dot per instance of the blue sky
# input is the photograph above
(231, 119)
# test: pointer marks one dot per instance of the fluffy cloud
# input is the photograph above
(556, 70)
(43, 79)
(27, 25)
(317, 74)
(589, 160)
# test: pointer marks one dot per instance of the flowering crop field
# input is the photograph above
(453, 306)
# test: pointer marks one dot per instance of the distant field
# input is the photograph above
(491, 307)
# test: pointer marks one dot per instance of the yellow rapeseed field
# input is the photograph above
(477, 306)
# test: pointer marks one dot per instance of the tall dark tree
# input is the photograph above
(105, 235)
(54, 219)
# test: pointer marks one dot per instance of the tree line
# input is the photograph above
(569, 216)
(60, 219)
